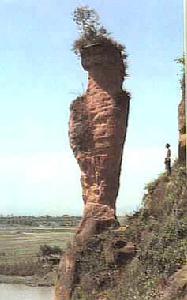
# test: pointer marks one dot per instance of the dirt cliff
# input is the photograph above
(182, 122)
(182, 131)
(146, 258)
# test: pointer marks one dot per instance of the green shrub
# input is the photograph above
(46, 250)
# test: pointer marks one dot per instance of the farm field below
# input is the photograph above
(19, 246)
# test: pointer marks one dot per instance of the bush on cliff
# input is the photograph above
(47, 250)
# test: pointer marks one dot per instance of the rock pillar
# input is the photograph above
(97, 131)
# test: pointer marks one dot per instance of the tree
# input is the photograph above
(89, 26)
(88, 22)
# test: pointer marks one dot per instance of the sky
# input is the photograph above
(39, 78)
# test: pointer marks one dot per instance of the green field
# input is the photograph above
(19, 246)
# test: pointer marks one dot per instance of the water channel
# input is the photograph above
(23, 292)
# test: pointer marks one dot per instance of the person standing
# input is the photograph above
(168, 160)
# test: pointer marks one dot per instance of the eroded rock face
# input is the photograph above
(182, 131)
(97, 133)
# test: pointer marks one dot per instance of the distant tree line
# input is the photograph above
(46, 221)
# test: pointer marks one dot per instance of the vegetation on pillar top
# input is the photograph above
(91, 31)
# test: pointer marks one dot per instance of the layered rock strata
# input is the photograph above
(97, 131)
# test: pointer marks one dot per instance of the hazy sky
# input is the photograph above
(39, 78)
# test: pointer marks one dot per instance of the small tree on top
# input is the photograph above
(89, 26)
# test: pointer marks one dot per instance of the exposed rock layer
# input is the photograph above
(97, 132)
(182, 131)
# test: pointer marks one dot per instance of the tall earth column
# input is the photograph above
(97, 131)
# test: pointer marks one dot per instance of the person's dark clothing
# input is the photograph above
(168, 162)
